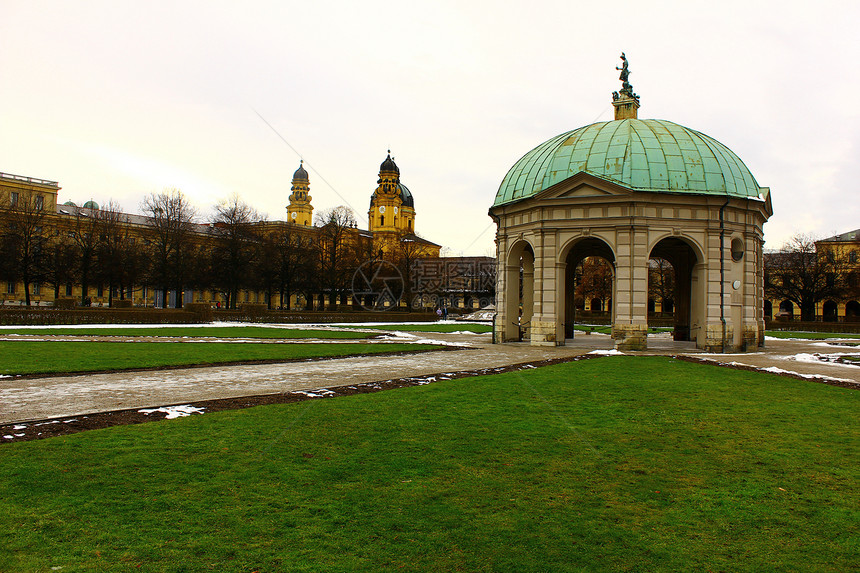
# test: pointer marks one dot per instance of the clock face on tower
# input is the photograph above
(395, 210)
(382, 209)
(294, 215)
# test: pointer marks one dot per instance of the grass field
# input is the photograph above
(808, 335)
(430, 327)
(191, 332)
(38, 357)
(612, 464)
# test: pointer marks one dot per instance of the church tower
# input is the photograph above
(392, 208)
(300, 211)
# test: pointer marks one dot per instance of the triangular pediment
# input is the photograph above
(582, 185)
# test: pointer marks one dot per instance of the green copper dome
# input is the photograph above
(640, 154)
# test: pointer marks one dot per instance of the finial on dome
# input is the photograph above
(626, 102)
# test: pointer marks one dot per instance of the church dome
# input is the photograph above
(91, 205)
(389, 165)
(301, 173)
(405, 196)
(640, 154)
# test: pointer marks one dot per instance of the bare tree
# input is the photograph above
(408, 249)
(595, 280)
(661, 282)
(805, 275)
(335, 264)
(113, 248)
(287, 265)
(85, 236)
(236, 246)
(24, 239)
(61, 261)
(170, 218)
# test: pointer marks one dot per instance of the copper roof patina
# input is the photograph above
(640, 154)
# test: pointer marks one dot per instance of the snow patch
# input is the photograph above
(777, 370)
(320, 393)
(816, 358)
(174, 411)
(612, 352)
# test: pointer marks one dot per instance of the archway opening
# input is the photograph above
(673, 277)
(661, 292)
(829, 311)
(786, 310)
(852, 311)
(519, 292)
(768, 309)
(589, 284)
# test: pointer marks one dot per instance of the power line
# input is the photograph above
(317, 173)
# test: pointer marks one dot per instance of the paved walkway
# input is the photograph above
(53, 397)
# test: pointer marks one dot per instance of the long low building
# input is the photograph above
(56, 253)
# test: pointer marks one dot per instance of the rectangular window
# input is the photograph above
(36, 289)
(100, 291)
(10, 287)
(68, 289)
(13, 198)
(40, 202)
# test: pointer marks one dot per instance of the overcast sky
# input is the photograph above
(116, 100)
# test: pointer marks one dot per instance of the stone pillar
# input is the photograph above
(630, 327)
(713, 326)
(545, 318)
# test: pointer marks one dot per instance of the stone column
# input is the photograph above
(713, 335)
(545, 318)
(630, 329)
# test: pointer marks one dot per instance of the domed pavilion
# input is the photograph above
(630, 191)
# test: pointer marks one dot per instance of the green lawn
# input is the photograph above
(607, 329)
(191, 332)
(24, 357)
(613, 464)
(430, 327)
(808, 335)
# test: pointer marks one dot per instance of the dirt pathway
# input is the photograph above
(27, 399)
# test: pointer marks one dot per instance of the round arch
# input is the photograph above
(688, 296)
(852, 310)
(571, 254)
(694, 245)
(519, 290)
(830, 311)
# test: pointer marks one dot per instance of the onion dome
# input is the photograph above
(300, 173)
(389, 165)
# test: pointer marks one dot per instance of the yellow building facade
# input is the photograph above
(392, 217)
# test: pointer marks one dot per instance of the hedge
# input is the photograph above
(194, 313)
